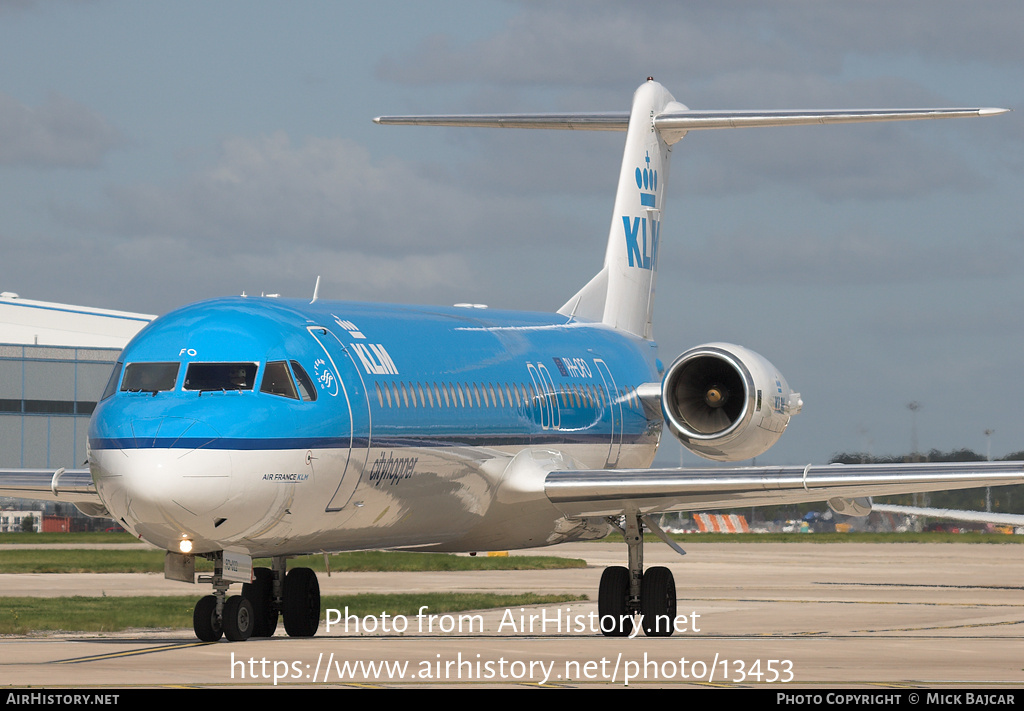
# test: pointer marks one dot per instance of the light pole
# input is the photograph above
(913, 406)
(988, 456)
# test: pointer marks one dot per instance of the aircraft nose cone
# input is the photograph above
(161, 432)
(156, 475)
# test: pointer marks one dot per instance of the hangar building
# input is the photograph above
(55, 360)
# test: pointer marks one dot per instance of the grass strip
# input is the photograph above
(26, 615)
(71, 560)
(94, 538)
(859, 537)
(854, 537)
(398, 561)
(146, 561)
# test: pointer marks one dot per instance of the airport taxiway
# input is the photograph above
(779, 615)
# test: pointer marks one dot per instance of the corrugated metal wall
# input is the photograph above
(46, 396)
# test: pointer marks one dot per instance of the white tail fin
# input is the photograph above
(621, 295)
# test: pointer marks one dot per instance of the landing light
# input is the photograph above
(185, 546)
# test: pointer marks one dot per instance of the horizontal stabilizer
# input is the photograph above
(673, 124)
(613, 121)
(677, 119)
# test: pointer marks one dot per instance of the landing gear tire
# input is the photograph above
(238, 619)
(301, 603)
(204, 620)
(260, 593)
(613, 602)
(658, 602)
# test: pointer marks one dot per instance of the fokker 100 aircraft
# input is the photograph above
(252, 428)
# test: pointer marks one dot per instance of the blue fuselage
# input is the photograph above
(278, 426)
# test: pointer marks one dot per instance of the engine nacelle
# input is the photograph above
(725, 402)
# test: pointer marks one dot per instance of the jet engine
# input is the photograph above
(725, 402)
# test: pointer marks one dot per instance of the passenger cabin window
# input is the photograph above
(220, 376)
(149, 377)
(278, 381)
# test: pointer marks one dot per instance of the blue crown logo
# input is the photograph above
(647, 179)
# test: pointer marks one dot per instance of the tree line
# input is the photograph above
(1005, 499)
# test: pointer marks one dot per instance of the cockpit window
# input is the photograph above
(149, 377)
(278, 381)
(305, 384)
(115, 375)
(220, 376)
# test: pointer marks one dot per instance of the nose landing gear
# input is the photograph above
(206, 621)
(260, 592)
(255, 612)
(214, 617)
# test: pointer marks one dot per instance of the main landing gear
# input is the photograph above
(255, 612)
(627, 592)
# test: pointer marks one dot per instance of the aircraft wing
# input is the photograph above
(1003, 519)
(611, 492)
(74, 486)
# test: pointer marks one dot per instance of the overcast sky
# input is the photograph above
(154, 154)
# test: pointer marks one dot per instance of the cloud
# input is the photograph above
(723, 55)
(60, 133)
(611, 43)
(16, 5)
(947, 30)
(852, 258)
(267, 214)
(264, 191)
(871, 162)
(156, 273)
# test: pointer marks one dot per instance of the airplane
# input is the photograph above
(262, 427)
